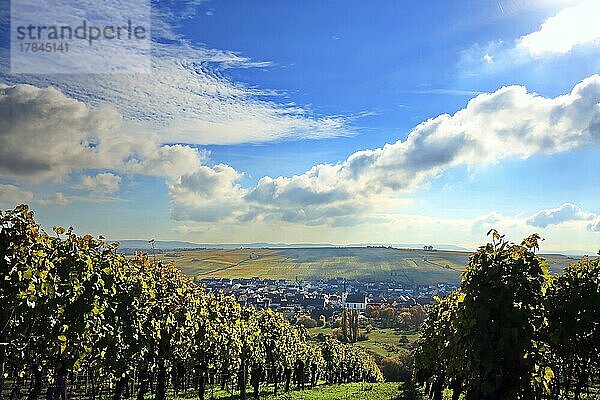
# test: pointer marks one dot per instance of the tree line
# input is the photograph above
(131, 327)
(514, 331)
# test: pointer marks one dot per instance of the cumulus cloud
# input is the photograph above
(45, 134)
(573, 29)
(567, 212)
(594, 226)
(510, 122)
(484, 223)
(208, 194)
(570, 27)
(104, 182)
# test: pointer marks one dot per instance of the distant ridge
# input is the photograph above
(435, 246)
(574, 253)
(139, 244)
(158, 244)
(174, 244)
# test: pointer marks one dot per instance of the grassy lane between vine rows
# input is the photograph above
(350, 391)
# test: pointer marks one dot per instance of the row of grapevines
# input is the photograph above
(72, 304)
(513, 331)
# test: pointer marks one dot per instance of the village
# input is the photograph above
(325, 297)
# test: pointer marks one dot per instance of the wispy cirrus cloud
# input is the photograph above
(187, 97)
(444, 91)
(185, 101)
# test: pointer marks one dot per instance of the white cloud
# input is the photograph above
(104, 182)
(208, 194)
(574, 29)
(484, 223)
(563, 228)
(594, 226)
(11, 195)
(187, 98)
(567, 212)
(58, 198)
(47, 135)
(185, 102)
(44, 135)
(507, 123)
(570, 27)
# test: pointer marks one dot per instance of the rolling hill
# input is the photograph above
(362, 263)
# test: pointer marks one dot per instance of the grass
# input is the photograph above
(350, 391)
(354, 391)
(384, 342)
(368, 264)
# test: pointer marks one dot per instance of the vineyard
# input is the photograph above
(77, 317)
(514, 331)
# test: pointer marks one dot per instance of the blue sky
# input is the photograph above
(324, 121)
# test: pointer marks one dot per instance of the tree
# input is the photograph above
(307, 321)
(345, 325)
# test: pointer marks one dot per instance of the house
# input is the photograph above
(312, 302)
(354, 301)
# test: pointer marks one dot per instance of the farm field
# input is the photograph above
(362, 263)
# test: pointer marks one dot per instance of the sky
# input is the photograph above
(321, 121)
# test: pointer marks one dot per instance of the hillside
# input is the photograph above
(362, 263)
